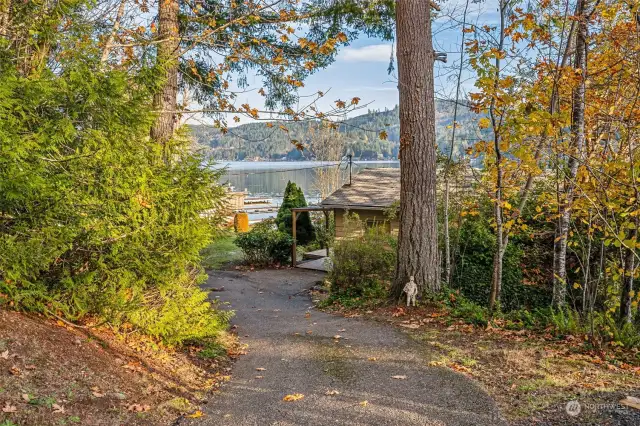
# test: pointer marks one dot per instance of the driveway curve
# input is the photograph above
(344, 367)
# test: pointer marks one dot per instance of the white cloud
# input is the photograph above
(372, 53)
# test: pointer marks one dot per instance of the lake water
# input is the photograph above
(269, 178)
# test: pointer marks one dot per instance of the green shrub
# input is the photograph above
(471, 312)
(325, 235)
(93, 222)
(474, 267)
(363, 265)
(264, 244)
(294, 197)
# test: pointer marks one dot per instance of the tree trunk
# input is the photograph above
(626, 298)
(165, 100)
(6, 7)
(578, 140)
(418, 236)
(496, 122)
(447, 172)
(114, 31)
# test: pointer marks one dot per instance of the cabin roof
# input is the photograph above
(371, 188)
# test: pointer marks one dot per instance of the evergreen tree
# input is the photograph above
(293, 198)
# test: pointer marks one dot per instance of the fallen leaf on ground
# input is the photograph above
(195, 415)
(364, 403)
(8, 408)
(411, 326)
(337, 336)
(293, 397)
(57, 408)
(332, 392)
(373, 358)
(398, 312)
(15, 371)
(399, 377)
(4, 355)
(342, 331)
(459, 367)
(138, 407)
(26, 397)
(259, 377)
(261, 369)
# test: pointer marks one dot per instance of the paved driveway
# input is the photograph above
(295, 346)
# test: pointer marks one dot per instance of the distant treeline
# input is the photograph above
(271, 142)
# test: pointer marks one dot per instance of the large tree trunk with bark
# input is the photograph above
(165, 100)
(565, 199)
(5, 18)
(418, 237)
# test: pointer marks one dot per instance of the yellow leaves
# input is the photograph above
(236, 119)
(355, 101)
(341, 104)
(332, 393)
(500, 54)
(383, 135)
(284, 38)
(342, 37)
(364, 403)
(293, 397)
(484, 123)
(196, 414)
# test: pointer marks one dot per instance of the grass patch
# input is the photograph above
(221, 252)
(212, 350)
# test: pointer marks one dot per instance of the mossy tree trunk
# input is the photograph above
(418, 235)
(165, 99)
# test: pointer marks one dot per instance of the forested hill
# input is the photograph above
(259, 141)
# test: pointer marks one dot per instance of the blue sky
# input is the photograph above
(361, 68)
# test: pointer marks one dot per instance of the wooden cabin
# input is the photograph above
(370, 195)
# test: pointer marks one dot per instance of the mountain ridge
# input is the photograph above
(261, 141)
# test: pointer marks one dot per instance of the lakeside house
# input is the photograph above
(370, 195)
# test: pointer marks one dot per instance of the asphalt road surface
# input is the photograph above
(345, 380)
